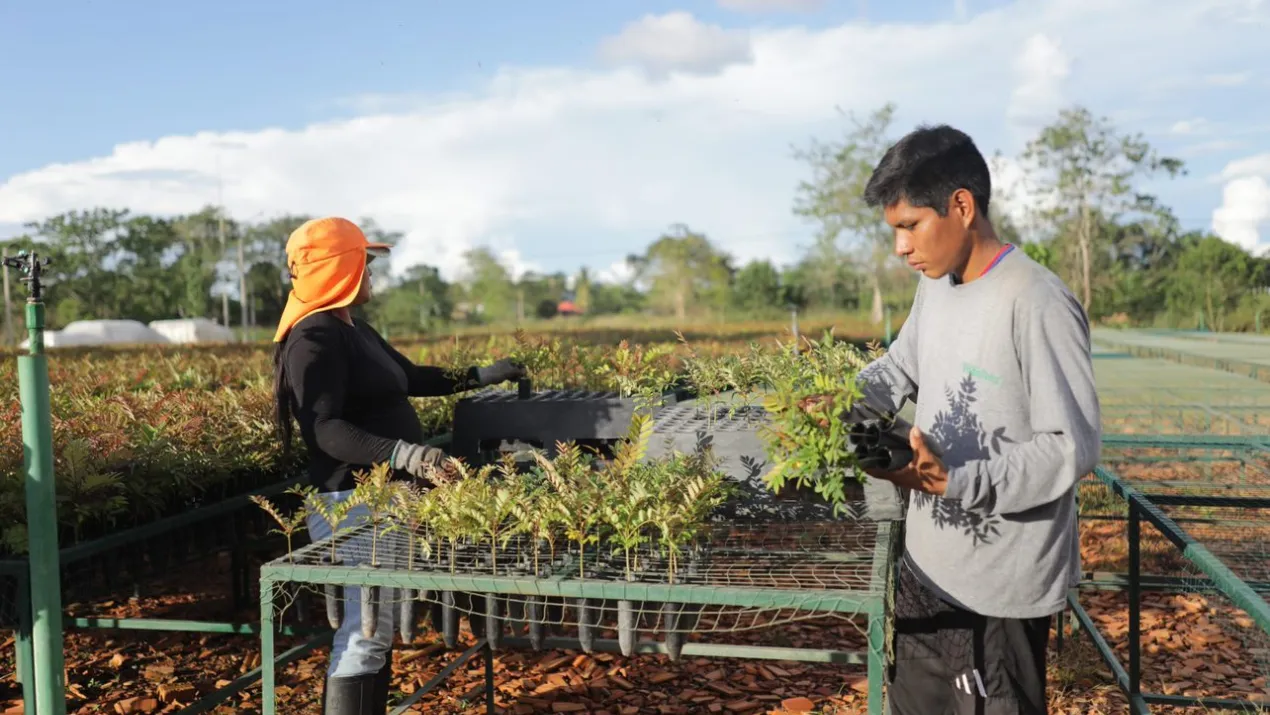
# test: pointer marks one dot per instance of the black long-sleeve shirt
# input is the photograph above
(349, 392)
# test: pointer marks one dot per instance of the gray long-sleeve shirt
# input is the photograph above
(1001, 371)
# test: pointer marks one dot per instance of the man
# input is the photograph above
(996, 354)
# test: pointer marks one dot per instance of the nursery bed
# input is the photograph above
(741, 577)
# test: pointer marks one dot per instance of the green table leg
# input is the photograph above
(877, 662)
(267, 694)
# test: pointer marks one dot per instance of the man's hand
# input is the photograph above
(926, 473)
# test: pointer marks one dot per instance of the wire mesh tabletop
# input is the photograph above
(840, 565)
(1154, 397)
(1255, 351)
(1197, 473)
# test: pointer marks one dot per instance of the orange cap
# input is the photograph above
(327, 259)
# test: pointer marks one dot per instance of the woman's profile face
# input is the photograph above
(364, 293)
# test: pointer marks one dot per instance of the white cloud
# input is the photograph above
(1244, 211)
(1198, 125)
(516, 264)
(1256, 165)
(1042, 68)
(1245, 206)
(617, 272)
(676, 41)
(960, 10)
(585, 166)
(771, 5)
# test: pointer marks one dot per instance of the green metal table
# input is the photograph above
(1196, 517)
(752, 572)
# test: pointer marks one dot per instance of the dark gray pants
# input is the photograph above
(950, 661)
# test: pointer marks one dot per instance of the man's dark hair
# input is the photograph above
(926, 167)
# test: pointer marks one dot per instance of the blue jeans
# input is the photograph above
(351, 652)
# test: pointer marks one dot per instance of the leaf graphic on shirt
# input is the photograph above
(998, 436)
(963, 438)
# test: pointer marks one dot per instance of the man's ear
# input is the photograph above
(963, 204)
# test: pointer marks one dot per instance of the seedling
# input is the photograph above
(288, 526)
(333, 512)
(376, 491)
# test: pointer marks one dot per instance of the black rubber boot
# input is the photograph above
(353, 695)
(383, 681)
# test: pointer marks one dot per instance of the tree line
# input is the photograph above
(1119, 248)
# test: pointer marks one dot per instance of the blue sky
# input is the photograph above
(93, 74)
(87, 77)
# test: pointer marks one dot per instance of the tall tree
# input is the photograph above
(757, 287)
(582, 290)
(683, 268)
(1212, 276)
(833, 198)
(1082, 169)
(488, 286)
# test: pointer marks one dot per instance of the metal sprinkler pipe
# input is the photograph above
(41, 498)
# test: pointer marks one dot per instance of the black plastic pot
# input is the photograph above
(406, 614)
(370, 610)
(586, 624)
(449, 620)
(334, 594)
(535, 610)
(474, 606)
(679, 618)
(302, 606)
(493, 620)
(626, 627)
(432, 598)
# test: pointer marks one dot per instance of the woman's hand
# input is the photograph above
(418, 460)
(501, 371)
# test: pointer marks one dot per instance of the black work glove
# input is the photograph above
(418, 460)
(501, 371)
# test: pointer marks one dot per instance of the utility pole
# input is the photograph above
(243, 299)
(8, 305)
(224, 296)
(224, 246)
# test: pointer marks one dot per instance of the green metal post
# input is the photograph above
(887, 313)
(24, 652)
(268, 694)
(41, 503)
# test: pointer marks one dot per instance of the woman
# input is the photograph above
(348, 389)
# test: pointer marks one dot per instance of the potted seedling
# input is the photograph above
(491, 509)
(811, 396)
(627, 513)
(375, 490)
(579, 495)
(536, 512)
(288, 526)
(448, 524)
(333, 512)
(412, 512)
(693, 489)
